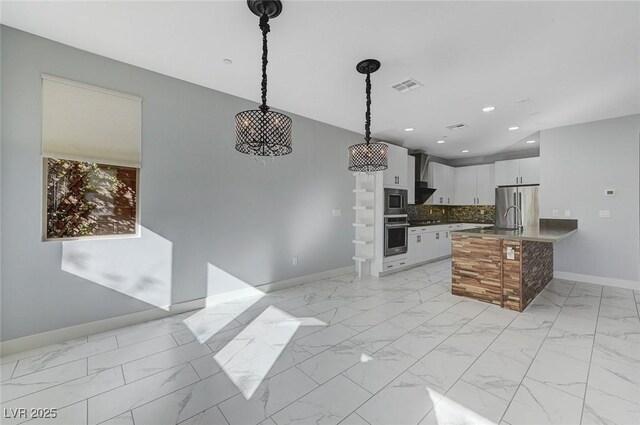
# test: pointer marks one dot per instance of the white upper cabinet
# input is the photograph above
(485, 185)
(442, 178)
(396, 173)
(517, 172)
(530, 170)
(465, 178)
(474, 185)
(411, 178)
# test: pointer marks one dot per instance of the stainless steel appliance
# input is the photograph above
(396, 235)
(395, 201)
(517, 207)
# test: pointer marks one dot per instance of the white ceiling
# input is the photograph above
(574, 61)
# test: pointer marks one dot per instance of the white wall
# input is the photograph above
(204, 205)
(577, 164)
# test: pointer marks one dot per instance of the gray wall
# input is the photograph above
(577, 164)
(215, 205)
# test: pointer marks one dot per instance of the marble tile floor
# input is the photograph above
(390, 351)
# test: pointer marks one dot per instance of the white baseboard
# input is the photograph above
(599, 280)
(85, 329)
(283, 284)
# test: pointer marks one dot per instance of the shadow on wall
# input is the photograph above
(138, 267)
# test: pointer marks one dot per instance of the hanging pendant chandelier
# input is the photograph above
(261, 132)
(368, 157)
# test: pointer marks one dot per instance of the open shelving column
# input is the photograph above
(364, 222)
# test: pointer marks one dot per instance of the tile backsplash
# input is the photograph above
(453, 213)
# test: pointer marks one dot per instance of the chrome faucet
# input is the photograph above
(519, 227)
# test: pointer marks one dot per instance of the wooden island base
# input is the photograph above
(481, 270)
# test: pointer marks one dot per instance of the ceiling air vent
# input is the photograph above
(456, 126)
(407, 85)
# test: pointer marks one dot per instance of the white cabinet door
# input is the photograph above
(465, 185)
(530, 170)
(411, 178)
(451, 184)
(485, 185)
(430, 246)
(442, 178)
(396, 173)
(507, 173)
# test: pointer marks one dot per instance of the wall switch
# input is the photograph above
(336, 212)
(604, 214)
(567, 213)
(511, 253)
(430, 210)
(294, 261)
(555, 213)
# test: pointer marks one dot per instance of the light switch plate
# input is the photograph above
(604, 214)
(555, 213)
(567, 213)
(336, 212)
(511, 253)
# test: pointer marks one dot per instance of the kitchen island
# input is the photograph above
(506, 267)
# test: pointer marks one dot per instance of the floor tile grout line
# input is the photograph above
(593, 344)
(536, 354)
(50, 367)
(408, 367)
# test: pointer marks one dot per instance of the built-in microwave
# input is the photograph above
(395, 201)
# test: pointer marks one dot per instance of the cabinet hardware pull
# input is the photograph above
(402, 264)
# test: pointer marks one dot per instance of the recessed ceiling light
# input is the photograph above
(227, 61)
(488, 109)
(440, 142)
(530, 141)
(514, 128)
(465, 151)
(408, 129)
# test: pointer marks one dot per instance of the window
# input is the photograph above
(89, 199)
(91, 158)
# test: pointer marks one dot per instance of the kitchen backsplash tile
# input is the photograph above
(453, 213)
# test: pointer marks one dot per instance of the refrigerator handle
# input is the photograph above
(515, 201)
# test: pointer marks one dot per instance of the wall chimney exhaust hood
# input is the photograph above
(423, 190)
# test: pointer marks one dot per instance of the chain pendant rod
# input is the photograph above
(367, 115)
(264, 26)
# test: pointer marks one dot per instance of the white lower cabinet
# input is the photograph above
(397, 263)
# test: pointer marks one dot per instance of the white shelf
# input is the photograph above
(359, 242)
(362, 259)
(362, 224)
(362, 208)
(362, 191)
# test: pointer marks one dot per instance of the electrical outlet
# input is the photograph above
(511, 253)
(336, 212)
(555, 213)
(567, 213)
(481, 212)
(294, 261)
(604, 214)
(430, 210)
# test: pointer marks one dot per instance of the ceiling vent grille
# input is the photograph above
(456, 126)
(407, 85)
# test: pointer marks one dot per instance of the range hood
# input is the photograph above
(423, 191)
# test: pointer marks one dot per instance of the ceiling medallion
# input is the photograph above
(368, 157)
(261, 132)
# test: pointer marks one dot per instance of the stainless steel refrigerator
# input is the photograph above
(523, 197)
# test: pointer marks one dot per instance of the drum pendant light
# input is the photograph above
(368, 157)
(261, 132)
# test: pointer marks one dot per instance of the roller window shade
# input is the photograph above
(87, 123)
